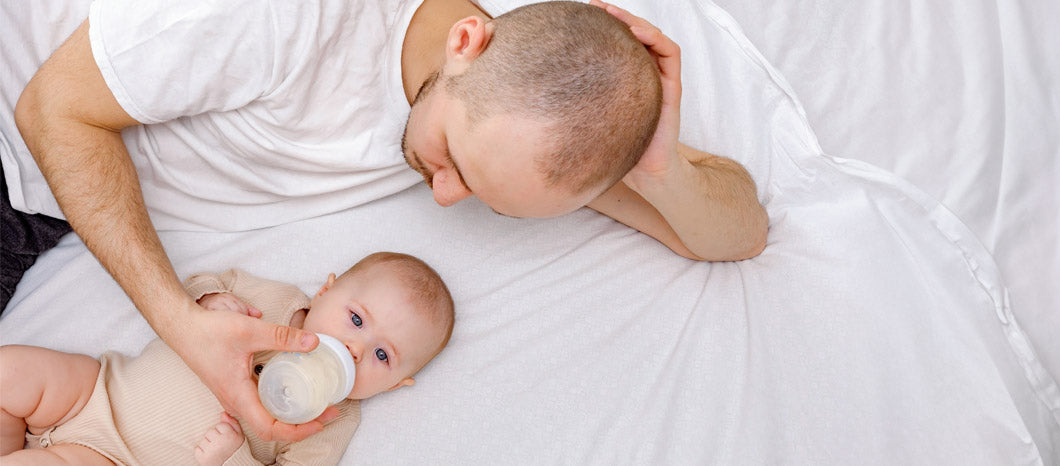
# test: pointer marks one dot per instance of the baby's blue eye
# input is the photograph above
(379, 353)
(356, 320)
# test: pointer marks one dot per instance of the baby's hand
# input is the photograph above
(227, 302)
(220, 442)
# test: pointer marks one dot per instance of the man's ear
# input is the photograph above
(407, 382)
(468, 38)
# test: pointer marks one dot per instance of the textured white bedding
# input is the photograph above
(875, 329)
(961, 98)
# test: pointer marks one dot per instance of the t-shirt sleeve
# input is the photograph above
(164, 60)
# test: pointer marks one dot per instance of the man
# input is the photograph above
(239, 115)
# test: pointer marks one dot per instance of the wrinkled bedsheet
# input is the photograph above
(876, 328)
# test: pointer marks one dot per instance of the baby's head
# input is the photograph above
(392, 311)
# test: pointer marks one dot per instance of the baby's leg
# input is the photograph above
(58, 455)
(41, 388)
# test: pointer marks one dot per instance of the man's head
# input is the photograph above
(536, 112)
(392, 311)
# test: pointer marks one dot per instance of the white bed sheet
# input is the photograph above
(874, 329)
(961, 98)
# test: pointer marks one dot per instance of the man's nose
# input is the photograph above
(448, 189)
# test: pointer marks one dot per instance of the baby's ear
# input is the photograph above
(408, 382)
(327, 285)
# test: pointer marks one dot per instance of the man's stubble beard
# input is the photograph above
(422, 93)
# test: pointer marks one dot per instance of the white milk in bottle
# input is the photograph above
(297, 387)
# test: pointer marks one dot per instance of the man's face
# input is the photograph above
(494, 160)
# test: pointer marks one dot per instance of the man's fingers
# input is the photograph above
(269, 336)
(260, 421)
(630, 19)
(293, 339)
(253, 413)
(661, 45)
(227, 368)
(294, 433)
(667, 53)
(668, 56)
(328, 415)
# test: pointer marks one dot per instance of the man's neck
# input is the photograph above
(423, 51)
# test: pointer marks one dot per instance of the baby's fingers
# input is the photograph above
(251, 311)
(233, 303)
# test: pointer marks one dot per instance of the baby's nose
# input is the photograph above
(356, 350)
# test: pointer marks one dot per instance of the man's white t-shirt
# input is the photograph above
(256, 112)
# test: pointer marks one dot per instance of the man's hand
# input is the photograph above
(228, 391)
(219, 347)
(72, 124)
(661, 156)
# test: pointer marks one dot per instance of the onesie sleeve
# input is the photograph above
(242, 457)
(328, 445)
(276, 300)
(202, 284)
(164, 60)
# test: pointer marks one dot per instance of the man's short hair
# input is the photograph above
(580, 70)
(429, 290)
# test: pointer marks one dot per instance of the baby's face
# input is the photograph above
(372, 314)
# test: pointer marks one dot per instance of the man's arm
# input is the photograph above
(72, 124)
(702, 206)
(711, 211)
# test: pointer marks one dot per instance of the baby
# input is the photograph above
(391, 310)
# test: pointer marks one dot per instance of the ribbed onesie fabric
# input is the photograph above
(152, 409)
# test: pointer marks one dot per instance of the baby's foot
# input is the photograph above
(220, 442)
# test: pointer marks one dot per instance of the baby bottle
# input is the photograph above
(297, 387)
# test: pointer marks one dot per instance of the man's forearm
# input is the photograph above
(95, 184)
(699, 205)
(76, 140)
(72, 123)
(712, 205)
